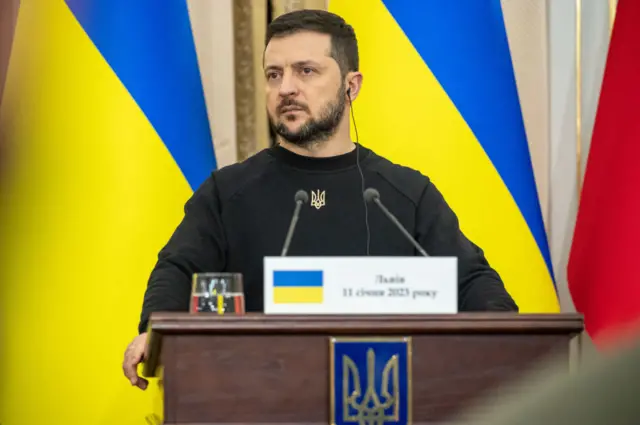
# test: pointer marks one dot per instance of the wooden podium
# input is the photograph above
(275, 369)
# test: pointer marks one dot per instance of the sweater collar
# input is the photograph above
(332, 163)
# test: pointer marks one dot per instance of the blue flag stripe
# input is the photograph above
(150, 47)
(297, 278)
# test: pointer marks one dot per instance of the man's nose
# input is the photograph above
(288, 86)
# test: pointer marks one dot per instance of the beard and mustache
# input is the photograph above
(314, 130)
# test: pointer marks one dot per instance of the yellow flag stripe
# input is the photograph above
(297, 295)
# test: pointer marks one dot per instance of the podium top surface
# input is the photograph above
(184, 324)
(258, 323)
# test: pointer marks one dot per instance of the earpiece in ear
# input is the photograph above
(349, 92)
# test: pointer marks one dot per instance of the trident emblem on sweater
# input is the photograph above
(318, 199)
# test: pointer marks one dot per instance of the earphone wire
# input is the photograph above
(366, 208)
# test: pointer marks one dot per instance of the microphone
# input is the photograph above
(372, 195)
(300, 198)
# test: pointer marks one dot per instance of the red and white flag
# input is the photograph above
(604, 262)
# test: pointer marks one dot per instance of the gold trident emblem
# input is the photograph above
(318, 199)
(372, 408)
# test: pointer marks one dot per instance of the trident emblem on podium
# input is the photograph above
(370, 381)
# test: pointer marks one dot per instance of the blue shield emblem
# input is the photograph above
(370, 381)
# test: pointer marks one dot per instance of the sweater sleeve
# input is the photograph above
(197, 245)
(480, 287)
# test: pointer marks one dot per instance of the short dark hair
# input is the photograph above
(344, 45)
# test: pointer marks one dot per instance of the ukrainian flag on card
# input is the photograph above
(297, 287)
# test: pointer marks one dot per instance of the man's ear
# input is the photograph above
(354, 83)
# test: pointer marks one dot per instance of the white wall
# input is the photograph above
(212, 26)
(526, 25)
(562, 137)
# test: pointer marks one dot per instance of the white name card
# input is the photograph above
(360, 285)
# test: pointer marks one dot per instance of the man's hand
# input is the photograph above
(134, 354)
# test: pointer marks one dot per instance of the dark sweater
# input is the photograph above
(242, 213)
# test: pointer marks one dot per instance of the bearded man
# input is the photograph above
(242, 212)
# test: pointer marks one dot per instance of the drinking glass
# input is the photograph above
(218, 293)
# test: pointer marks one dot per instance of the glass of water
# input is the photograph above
(218, 293)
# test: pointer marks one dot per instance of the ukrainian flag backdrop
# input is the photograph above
(297, 286)
(111, 137)
(439, 95)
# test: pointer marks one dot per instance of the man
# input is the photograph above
(242, 212)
